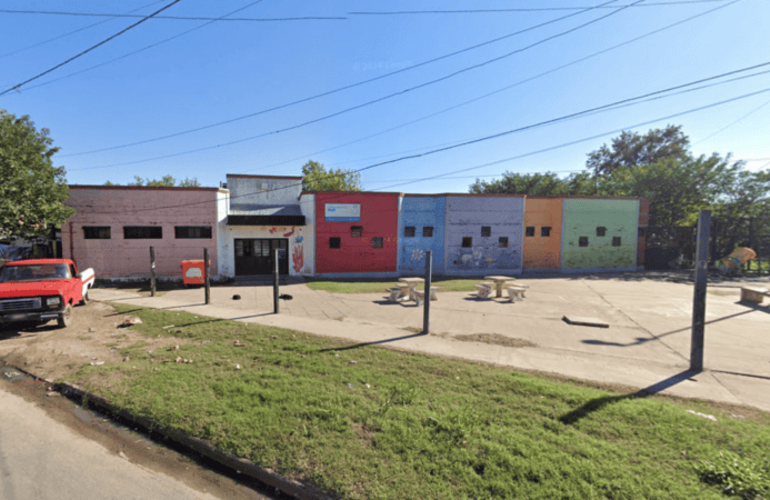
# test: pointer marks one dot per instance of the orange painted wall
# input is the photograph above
(541, 252)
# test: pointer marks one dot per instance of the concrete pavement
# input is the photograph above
(648, 341)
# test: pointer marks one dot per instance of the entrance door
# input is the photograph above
(255, 256)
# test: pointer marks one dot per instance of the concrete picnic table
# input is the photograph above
(499, 282)
(413, 282)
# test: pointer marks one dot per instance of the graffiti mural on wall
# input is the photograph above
(298, 254)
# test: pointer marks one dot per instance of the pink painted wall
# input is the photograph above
(116, 206)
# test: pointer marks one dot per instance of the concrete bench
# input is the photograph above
(419, 295)
(754, 295)
(516, 293)
(484, 289)
(398, 292)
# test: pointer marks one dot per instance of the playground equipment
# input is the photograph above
(733, 262)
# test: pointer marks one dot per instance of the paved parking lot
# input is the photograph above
(647, 342)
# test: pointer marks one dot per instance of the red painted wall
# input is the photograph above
(379, 218)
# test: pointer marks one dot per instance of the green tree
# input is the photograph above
(165, 181)
(315, 177)
(631, 149)
(33, 190)
(536, 184)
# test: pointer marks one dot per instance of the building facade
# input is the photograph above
(421, 228)
(542, 233)
(115, 226)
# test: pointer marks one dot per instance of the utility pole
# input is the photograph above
(428, 281)
(152, 272)
(699, 298)
(206, 274)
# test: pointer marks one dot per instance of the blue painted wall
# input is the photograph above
(465, 217)
(420, 212)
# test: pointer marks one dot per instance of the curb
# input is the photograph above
(239, 465)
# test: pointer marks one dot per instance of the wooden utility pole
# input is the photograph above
(152, 272)
(206, 274)
(699, 299)
(428, 281)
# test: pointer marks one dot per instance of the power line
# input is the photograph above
(359, 106)
(532, 9)
(735, 122)
(489, 94)
(476, 141)
(142, 49)
(71, 32)
(15, 87)
(339, 89)
(178, 18)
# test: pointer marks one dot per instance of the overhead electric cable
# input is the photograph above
(71, 32)
(489, 94)
(477, 141)
(18, 85)
(230, 143)
(339, 89)
(733, 123)
(521, 9)
(142, 49)
(362, 105)
(177, 18)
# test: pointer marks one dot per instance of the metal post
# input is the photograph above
(206, 274)
(699, 299)
(428, 280)
(152, 272)
(275, 282)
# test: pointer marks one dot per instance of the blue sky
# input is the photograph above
(228, 69)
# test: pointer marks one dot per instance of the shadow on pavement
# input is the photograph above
(365, 344)
(599, 403)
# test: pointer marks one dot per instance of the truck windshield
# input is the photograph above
(36, 272)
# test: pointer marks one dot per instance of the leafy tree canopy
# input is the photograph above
(315, 177)
(32, 191)
(631, 149)
(165, 181)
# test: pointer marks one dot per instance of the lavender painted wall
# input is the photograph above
(466, 217)
(421, 213)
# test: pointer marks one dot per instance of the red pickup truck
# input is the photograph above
(37, 291)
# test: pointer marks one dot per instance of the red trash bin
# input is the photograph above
(192, 272)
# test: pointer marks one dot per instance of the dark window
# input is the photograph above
(334, 242)
(467, 242)
(96, 232)
(377, 242)
(486, 231)
(601, 231)
(616, 241)
(502, 242)
(193, 232)
(409, 231)
(583, 241)
(530, 230)
(427, 231)
(142, 232)
(545, 231)
(356, 231)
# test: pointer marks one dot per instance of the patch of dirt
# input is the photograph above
(52, 353)
(496, 339)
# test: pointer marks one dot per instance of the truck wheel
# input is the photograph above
(85, 299)
(66, 319)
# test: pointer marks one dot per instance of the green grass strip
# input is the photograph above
(375, 423)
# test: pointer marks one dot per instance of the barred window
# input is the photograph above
(409, 231)
(97, 232)
(334, 243)
(142, 232)
(192, 232)
(486, 231)
(530, 231)
(427, 231)
(467, 242)
(377, 242)
(356, 231)
(616, 241)
(545, 231)
(583, 241)
(502, 242)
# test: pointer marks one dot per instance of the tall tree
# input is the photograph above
(32, 190)
(632, 149)
(315, 177)
(165, 181)
(536, 184)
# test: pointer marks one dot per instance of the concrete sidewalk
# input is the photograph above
(646, 345)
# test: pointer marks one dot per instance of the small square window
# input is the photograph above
(502, 242)
(467, 242)
(356, 231)
(545, 231)
(409, 231)
(530, 230)
(96, 232)
(583, 241)
(377, 242)
(601, 231)
(427, 231)
(334, 242)
(486, 231)
(616, 241)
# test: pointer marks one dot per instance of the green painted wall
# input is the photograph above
(582, 216)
